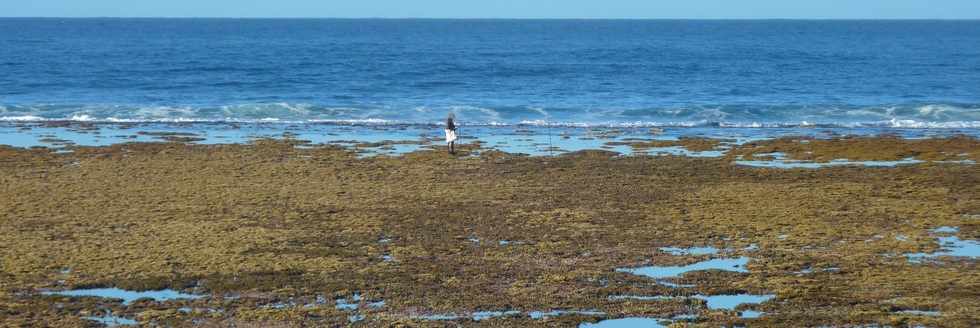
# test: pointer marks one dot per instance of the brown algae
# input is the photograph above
(274, 234)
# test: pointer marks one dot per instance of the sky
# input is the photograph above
(694, 9)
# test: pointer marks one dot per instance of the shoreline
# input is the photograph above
(394, 140)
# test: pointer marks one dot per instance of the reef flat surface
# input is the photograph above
(287, 233)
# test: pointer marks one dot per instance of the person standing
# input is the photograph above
(451, 134)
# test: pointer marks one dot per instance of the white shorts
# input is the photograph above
(450, 135)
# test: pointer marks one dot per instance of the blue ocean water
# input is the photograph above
(915, 74)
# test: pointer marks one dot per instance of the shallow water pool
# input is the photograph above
(660, 272)
(126, 296)
(676, 251)
(792, 164)
(625, 323)
(950, 246)
(730, 302)
(110, 320)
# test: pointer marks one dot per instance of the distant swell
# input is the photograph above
(916, 116)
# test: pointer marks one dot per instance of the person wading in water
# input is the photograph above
(451, 134)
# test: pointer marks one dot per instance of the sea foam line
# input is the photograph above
(894, 123)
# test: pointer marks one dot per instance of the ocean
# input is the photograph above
(683, 73)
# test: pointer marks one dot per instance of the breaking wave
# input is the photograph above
(915, 116)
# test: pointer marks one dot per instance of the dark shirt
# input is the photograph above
(450, 125)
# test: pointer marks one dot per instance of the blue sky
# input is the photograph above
(834, 9)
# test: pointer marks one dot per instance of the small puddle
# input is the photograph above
(680, 151)
(809, 270)
(676, 251)
(437, 317)
(110, 320)
(355, 318)
(685, 317)
(554, 313)
(749, 314)
(960, 162)
(125, 295)
(673, 285)
(781, 162)
(660, 272)
(950, 246)
(349, 305)
(639, 298)
(921, 313)
(714, 302)
(625, 323)
(352, 305)
(730, 302)
(355, 302)
(483, 315)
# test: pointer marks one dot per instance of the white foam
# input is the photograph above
(22, 118)
(913, 124)
(936, 116)
(364, 121)
(82, 118)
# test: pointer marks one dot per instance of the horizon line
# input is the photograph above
(490, 18)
